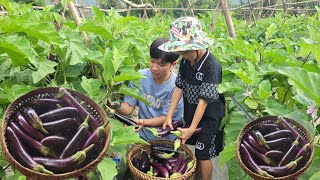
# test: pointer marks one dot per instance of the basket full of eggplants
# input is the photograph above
(54, 133)
(274, 147)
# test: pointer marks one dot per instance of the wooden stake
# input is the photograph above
(215, 16)
(227, 16)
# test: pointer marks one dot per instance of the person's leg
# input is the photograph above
(205, 169)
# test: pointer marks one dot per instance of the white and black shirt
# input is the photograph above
(200, 81)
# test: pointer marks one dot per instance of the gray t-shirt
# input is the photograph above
(159, 96)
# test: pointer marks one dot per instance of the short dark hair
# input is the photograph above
(156, 53)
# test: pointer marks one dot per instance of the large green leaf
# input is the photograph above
(18, 49)
(15, 91)
(107, 168)
(126, 135)
(306, 81)
(276, 109)
(264, 89)
(44, 31)
(91, 86)
(44, 68)
(133, 92)
(118, 57)
(96, 29)
(251, 103)
(270, 30)
(228, 153)
(232, 130)
(108, 68)
(314, 167)
(78, 49)
(128, 76)
(235, 85)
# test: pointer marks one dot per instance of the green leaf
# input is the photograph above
(316, 176)
(306, 81)
(270, 30)
(301, 117)
(18, 49)
(2, 173)
(232, 130)
(264, 89)
(43, 69)
(251, 103)
(314, 167)
(107, 64)
(78, 49)
(107, 168)
(91, 86)
(133, 92)
(234, 86)
(276, 109)
(15, 91)
(44, 31)
(228, 153)
(242, 75)
(74, 71)
(128, 76)
(96, 29)
(126, 135)
(118, 57)
(253, 74)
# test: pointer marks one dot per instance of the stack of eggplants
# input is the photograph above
(275, 149)
(55, 134)
(163, 161)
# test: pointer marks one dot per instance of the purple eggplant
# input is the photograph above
(178, 163)
(59, 113)
(172, 160)
(274, 154)
(45, 104)
(279, 171)
(54, 141)
(144, 162)
(74, 143)
(71, 101)
(162, 170)
(161, 154)
(159, 132)
(176, 124)
(246, 157)
(278, 134)
(96, 136)
(255, 144)
(258, 155)
(34, 120)
(65, 164)
(125, 120)
(290, 153)
(162, 148)
(183, 166)
(20, 153)
(304, 151)
(57, 125)
(167, 165)
(285, 124)
(279, 143)
(34, 144)
(27, 127)
(260, 139)
(267, 128)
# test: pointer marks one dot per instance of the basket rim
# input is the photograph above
(272, 118)
(38, 175)
(189, 174)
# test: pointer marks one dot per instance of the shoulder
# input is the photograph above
(145, 71)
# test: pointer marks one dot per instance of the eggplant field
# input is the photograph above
(68, 62)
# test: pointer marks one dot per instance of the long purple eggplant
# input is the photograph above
(260, 139)
(65, 164)
(167, 165)
(288, 126)
(34, 144)
(304, 151)
(255, 144)
(57, 125)
(178, 163)
(34, 120)
(162, 170)
(159, 132)
(74, 143)
(54, 141)
(145, 162)
(46, 104)
(125, 120)
(161, 154)
(258, 155)
(278, 134)
(27, 127)
(59, 113)
(274, 154)
(71, 101)
(97, 135)
(19, 152)
(279, 143)
(290, 153)
(280, 171)
(246, 157)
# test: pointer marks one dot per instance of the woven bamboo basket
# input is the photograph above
(138, 175)
(270, 119)
(95, 110)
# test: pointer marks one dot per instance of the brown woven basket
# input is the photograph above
(95, 110)
(270, 119)
(138, 175)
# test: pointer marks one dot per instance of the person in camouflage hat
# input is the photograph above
(197, 82)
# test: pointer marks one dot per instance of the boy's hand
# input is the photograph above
(186, 134)
(167, 122)
(140, 123)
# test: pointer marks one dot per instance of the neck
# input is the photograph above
(201, 53)
(164, 78)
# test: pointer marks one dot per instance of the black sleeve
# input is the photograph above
(209, 87)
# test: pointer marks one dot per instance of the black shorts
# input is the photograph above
(207, 145)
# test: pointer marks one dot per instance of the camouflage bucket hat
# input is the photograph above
(186, 34)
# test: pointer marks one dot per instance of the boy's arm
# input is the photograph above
(153, 122)
(124, 108)
(175, 98)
